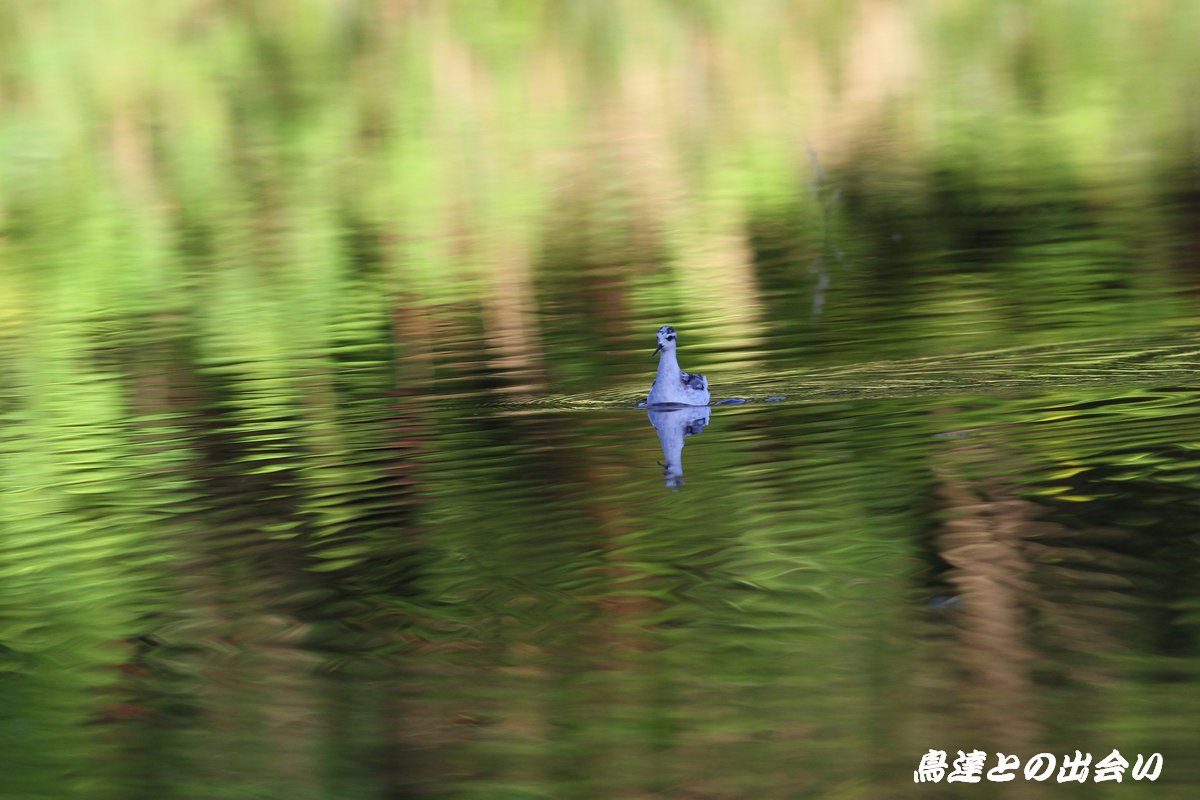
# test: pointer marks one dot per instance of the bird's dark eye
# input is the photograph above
(671, 338)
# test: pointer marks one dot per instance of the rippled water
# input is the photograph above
(411, 595)
(322, 342)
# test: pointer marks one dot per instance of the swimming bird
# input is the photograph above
(671, 385)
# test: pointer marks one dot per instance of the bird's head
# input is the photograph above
(666, 339)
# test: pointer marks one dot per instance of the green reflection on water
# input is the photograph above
(322, 329)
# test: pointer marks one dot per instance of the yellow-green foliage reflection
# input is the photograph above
(321, 327)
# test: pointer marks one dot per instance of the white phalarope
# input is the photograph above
(672, 386)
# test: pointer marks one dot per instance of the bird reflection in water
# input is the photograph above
(673, 425)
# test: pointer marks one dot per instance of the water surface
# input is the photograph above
(323, 329)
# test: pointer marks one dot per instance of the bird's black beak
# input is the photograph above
(652, 355)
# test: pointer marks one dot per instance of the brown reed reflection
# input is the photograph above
(983, 540)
